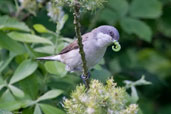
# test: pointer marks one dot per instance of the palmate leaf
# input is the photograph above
(25, 69)
(131, 25)
(28, 38)
(48, 109)
(7, 23)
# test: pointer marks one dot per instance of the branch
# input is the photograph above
(78, 34)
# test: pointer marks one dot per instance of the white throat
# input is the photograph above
(103, 40)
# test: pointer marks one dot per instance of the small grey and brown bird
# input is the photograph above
(95, 45)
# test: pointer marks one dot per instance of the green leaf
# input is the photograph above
(10, 105)
(164, 23)
(101, 74)
(16, 91)
(32, 89)
(2, 83)
(50, 95)
(28, 38)
(6, 6)
(5, 112)
(7, 97)
(8, 102)
(37, 110)
(134, 95)
(45, 49)
(55, 67)
(146, 8)
(25, 69)
(137, 27)
(11, 45)
(48, 109)
(106, 14)
(7, 23)
(6, 62)
(40, 28)
(120, 7)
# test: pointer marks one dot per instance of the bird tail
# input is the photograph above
(50, 58)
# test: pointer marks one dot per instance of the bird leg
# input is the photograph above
(85, 79)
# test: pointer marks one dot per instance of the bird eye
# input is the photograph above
(111, 33)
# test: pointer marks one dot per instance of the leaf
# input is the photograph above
(10, 105)
(50, 95)
(6, 6)
(45, 49)
(106, 14)
(8, 102)
(2, 83)
(37, 110)
(25, 69)
(5, 112)
(11, 45)
(7, 96)
(146, 8)
(1, 80)
(16, 91)
(6, 62)
(164, 23)
(28, 38)
(40, 28)
(101, 74)
(32, 89)
(120, 7)
(7, 23)
(55, 67)
(48, 109)
(134, 95)
(137, 27)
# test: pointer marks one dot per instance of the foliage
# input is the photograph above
(34, 28)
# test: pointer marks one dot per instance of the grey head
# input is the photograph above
(109, 30)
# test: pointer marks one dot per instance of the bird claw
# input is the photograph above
(85, 78)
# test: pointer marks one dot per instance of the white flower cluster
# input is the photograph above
(55, 12)
(100, 99)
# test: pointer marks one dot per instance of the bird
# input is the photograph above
(95, 44)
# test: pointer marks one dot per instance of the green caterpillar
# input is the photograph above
(116, 47)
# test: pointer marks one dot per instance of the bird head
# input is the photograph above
(106, 35)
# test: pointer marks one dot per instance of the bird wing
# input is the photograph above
(74, 44)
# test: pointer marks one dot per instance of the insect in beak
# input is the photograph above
(116, 47)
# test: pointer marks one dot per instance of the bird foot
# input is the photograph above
(85, 79)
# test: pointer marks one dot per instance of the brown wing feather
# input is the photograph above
(74, 45)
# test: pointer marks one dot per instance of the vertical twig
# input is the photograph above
(78, 34)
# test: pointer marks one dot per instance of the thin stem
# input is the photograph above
(78, 34)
